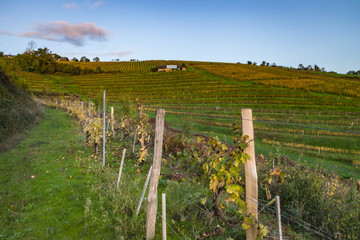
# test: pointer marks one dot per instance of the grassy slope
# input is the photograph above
(17, 112)
(70, 195)
(49, 204)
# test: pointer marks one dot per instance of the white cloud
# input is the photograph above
(62, 31)
(97, 4)
(70, 5)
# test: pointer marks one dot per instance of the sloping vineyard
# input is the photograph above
(126, 66)
(208, 104)
(286, 77)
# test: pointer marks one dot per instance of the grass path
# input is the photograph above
(41, 188)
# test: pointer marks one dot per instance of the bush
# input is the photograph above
(325, 201)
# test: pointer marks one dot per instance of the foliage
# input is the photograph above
(308, 194)
(17, 110)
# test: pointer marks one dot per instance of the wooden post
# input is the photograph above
(163, 198)
(89, 110)
(278, 216)
(251, 179)
(133, 148)
(141, 123)
(152, 205)
(143, 192)
(112, 121)
(104, 128)
(121, 167)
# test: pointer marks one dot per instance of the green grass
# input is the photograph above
(53, 187)
(41, 187)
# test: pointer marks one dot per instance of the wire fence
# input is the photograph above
(267, 205)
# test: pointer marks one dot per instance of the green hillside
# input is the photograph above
(319, 123)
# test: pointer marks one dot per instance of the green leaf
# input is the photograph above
(203, 201)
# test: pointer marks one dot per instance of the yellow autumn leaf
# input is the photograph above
(245, 226)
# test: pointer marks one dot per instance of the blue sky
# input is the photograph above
(287, 32)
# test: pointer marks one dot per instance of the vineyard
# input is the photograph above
(202, 174)
(287, 77)
(309, 125)
(135, 66)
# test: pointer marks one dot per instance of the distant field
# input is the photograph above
(136, 66)
(208, 97)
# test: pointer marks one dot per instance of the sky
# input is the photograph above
(285, 32)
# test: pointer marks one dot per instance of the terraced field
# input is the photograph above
(305, 124)
(123, 66)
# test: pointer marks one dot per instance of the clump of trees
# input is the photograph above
(357, 73)
(43, 60)
(315, 68)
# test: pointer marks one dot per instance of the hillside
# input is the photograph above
(17, 112)
(321, 122)
(299, 133)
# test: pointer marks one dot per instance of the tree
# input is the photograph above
(263, 63)
(351, 73)
(56, 56)
(96, 59)
(301, 67)
(1, 54)
(31, 46)
(316, 68)
(74, 59)
(84, 59)
(65, 59)
(249, 62)
(254, 63)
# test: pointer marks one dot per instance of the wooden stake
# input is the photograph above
(89, 110)
(152, 206)
(112, 121)
(278, 216)
(121, 167)
(133, 149)
(143, 192)
(163, 198)
(104, 126)
(251, 179)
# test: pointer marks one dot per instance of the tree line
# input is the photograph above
(43, 60)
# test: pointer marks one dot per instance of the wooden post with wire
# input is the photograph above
(152, 199)
(251, 179)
